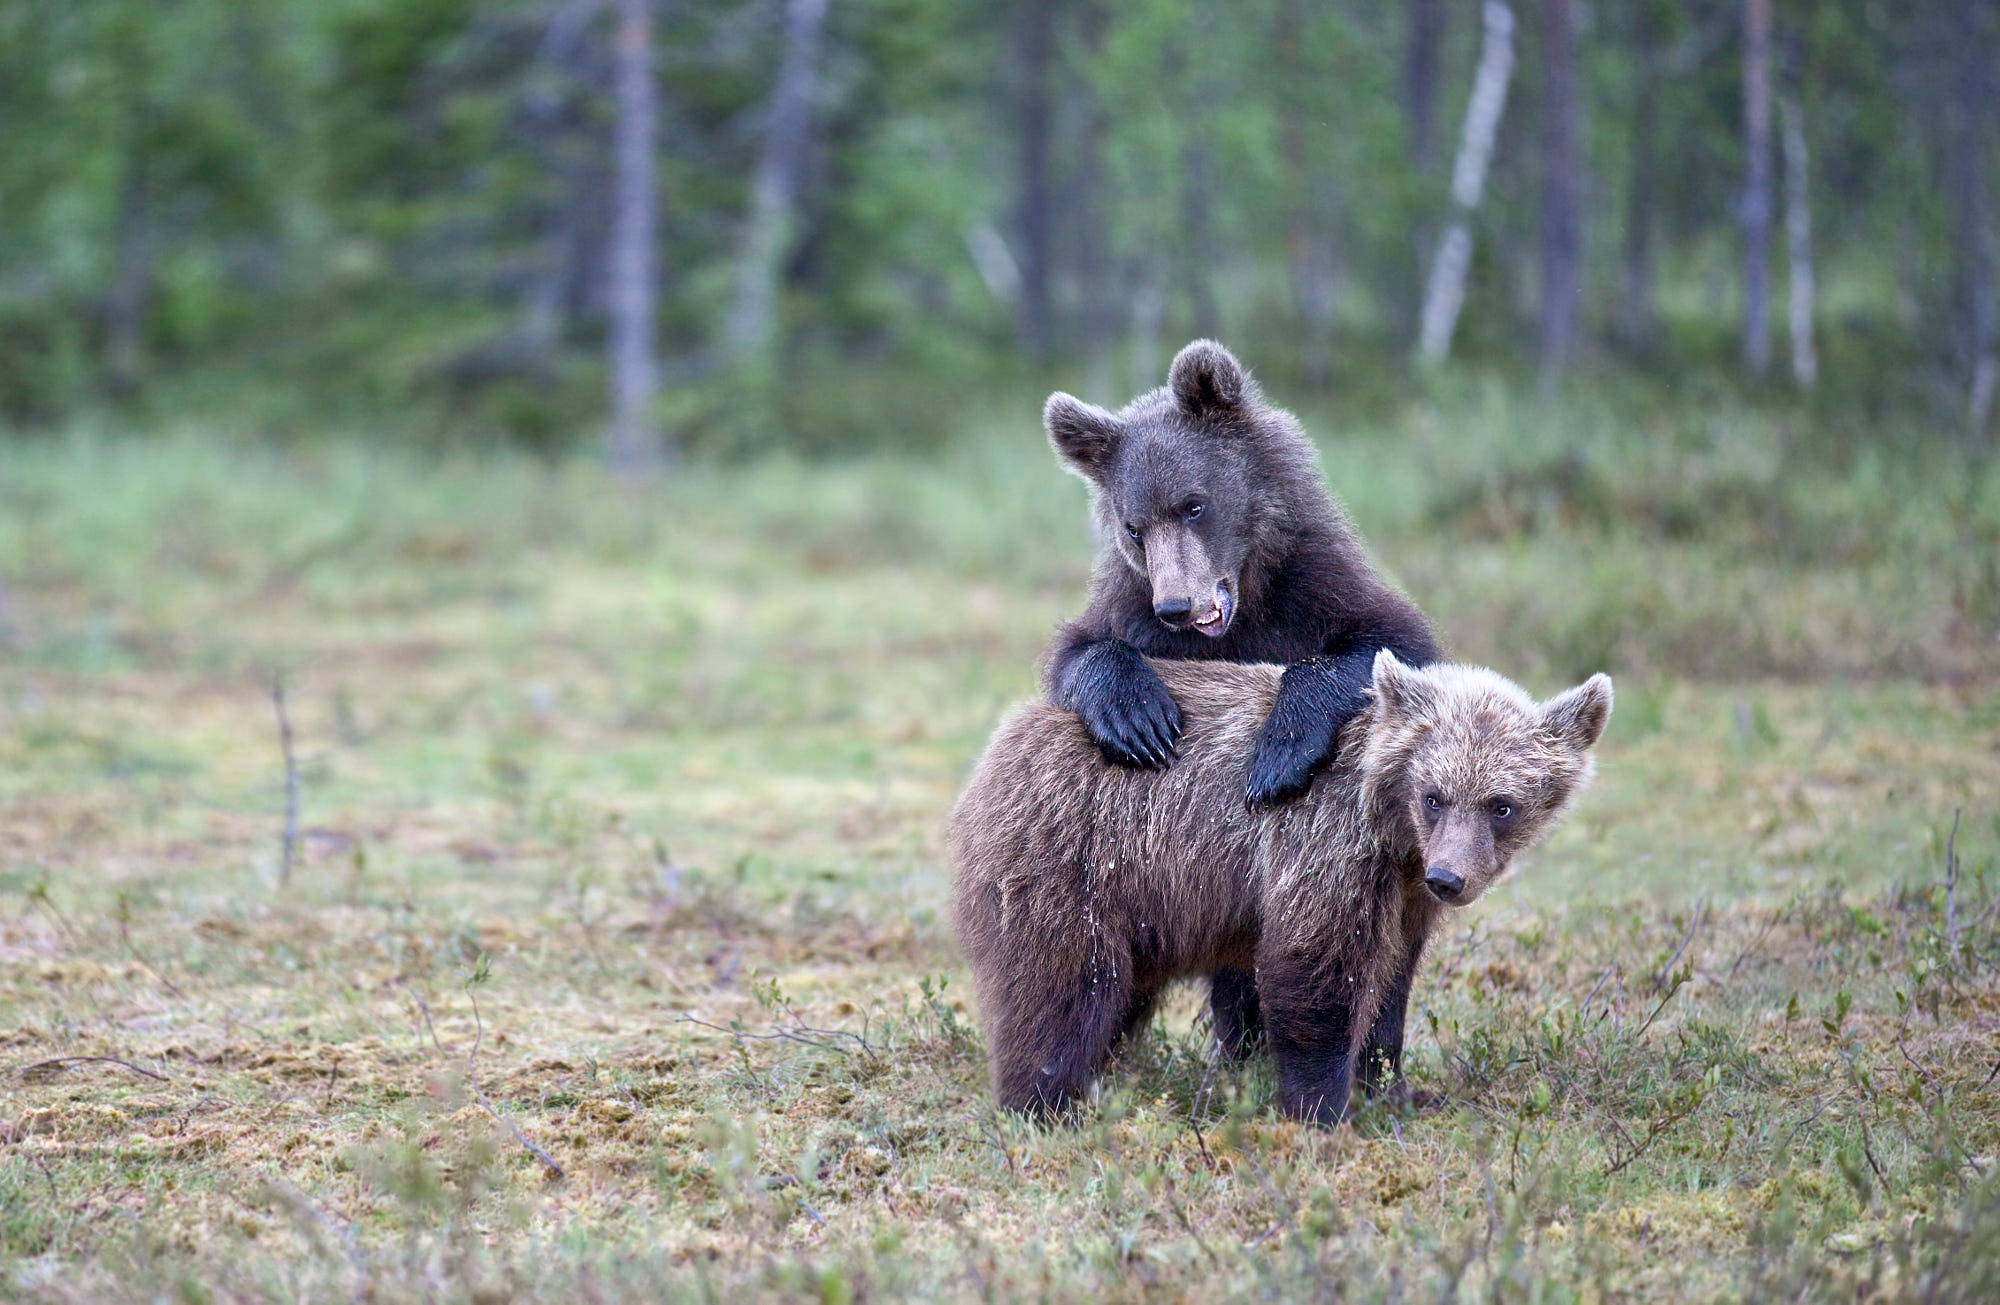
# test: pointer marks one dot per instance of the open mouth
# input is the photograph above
(1215, 621)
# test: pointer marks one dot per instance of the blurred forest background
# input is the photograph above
(437, 865)
(732, 226)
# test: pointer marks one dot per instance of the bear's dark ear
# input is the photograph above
(1085, 436)
(1578, 717)
(1402, 690)
(1206, 378)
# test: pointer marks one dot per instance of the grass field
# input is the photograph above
(620, 846)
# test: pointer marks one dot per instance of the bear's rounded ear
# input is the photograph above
(1577, 718)
(1084, 435)
(1206, 379)
(1402, 690)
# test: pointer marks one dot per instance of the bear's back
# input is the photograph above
(1050, 839)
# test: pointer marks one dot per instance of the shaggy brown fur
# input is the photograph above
(1082, 889)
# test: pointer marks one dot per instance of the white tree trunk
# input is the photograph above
(773, 192)
(1445, 295)
(632, 444)
(1798, 244)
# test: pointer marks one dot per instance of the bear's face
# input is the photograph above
(1481, 769)
(1171, 480)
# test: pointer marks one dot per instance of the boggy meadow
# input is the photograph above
(1083, 888)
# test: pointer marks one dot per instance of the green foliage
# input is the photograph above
(392, 216)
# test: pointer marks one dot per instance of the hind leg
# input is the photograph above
(1239, 1020)
(1138, 1014)
(1057, 1039)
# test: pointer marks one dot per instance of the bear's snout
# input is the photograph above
(1175, 611)
(1443, 883)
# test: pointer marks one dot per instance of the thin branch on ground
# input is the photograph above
(472, 1077)
(61, 1063)
(803, 1035)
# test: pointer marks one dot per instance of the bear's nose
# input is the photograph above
(1175, 611)
(1444, 885)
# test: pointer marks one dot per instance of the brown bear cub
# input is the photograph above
(1222, 546)
(1082, 889)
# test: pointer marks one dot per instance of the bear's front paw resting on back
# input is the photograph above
(1285, 758)
(1137, 726)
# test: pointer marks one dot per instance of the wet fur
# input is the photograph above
(1082, 889)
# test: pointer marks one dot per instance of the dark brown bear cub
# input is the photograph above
(1082, 889)
(1223, 546)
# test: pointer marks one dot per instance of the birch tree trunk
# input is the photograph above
(1445, 295)
(1975, 304)
(774, 192)
(632, 445)
(1562, 190)
(1798, 244)
(1756, 186)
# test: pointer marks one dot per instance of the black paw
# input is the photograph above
(1281, 770)
(1139, 729)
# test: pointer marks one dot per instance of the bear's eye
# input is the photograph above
(1192, 508)
(1431, 800)
(1134, 532)
(1503, 810)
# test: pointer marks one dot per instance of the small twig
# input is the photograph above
(1868, 1152)
(1660, 979)
(1989, 1078)
(1900, 1035)
(1602, 979)
(1950, 885)
(63, 1062)
(1755, 943)
(38, 895)
(291, 836)
(1819, 1108)
(1641, 1032)
(425, 1009)
(1654, 1131)
(472, 1077)
(804, 1036)
(810, 1213)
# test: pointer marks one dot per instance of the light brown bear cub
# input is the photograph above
(1082, 889)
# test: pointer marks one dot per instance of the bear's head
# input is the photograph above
(1184, 481)
(1480, 769)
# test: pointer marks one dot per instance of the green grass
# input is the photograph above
(658, 777)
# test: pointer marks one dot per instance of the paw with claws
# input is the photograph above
(1136, 728)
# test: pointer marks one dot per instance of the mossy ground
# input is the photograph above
(656, 778)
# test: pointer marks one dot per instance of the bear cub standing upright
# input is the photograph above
(1082, 889)
(1224, 546)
